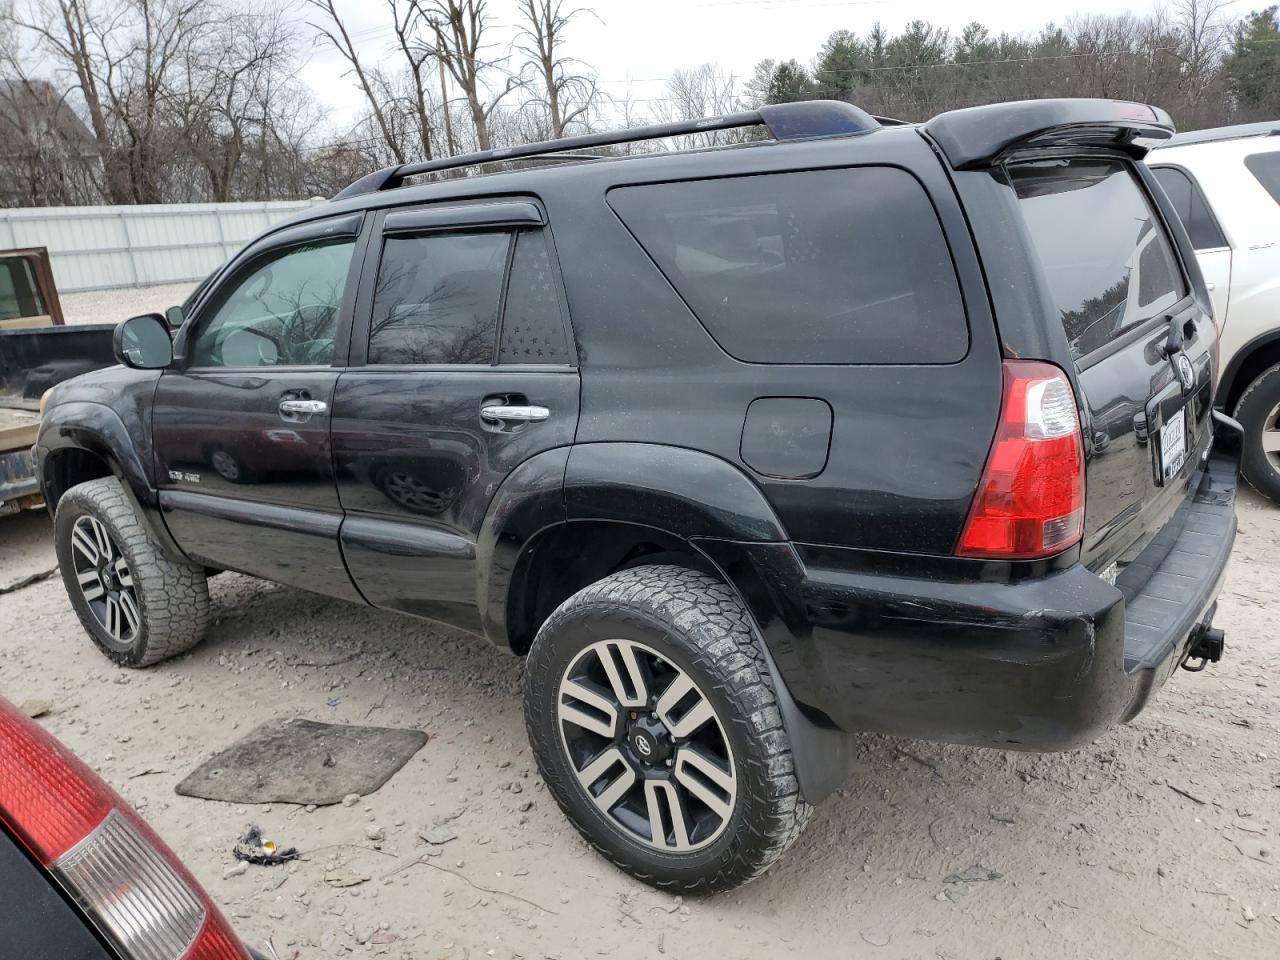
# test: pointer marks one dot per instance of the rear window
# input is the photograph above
(1266, 168)
(1107, 261)
(832, 266)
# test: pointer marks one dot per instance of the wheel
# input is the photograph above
(415, 495)
(138, 606)
(655, 725)
(226, 466)
(1259, 413)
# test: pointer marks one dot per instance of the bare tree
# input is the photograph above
(335, 31)
(704, 91)
(459, 27)
(566, 96)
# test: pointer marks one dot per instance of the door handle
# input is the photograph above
(510, 413)
(300, 411)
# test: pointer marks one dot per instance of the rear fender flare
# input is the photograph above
(530, 500)
(684, 492)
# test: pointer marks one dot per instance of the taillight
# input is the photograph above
(138, 894)
(1030, 502)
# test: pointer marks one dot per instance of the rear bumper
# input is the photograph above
(1047, 662)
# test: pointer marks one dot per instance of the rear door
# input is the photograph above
(1142, 348)
(461, 369)
(241, 422)
(1212, 251)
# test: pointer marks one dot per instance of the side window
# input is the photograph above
(533, 329)
(283, 312)
(828, 266)
(19, 292)
(1193, 210)
(1266, 168)
(437, 298)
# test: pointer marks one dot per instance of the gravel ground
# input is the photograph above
(112, 306)
(1158, 841)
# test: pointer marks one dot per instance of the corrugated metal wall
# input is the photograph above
(98, 248)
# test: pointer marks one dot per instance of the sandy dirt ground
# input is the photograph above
(1158, 841)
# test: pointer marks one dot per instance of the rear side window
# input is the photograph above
(1192, 209)
(1107, 261)
(831, 266)
(533, 318)
(437, 298)
(1266, 167)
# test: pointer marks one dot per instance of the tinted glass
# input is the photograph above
(19, 294)
(1107, 261)
(533, 321)
(1192, 209)
(832, 266)
(437, 298)
(283, 312)
(1266, 167)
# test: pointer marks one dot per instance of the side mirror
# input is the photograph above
(143, 342)
(175, 317)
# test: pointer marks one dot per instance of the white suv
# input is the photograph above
(1225, 184)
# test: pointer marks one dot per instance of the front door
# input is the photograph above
(241, 423)
(461, 369)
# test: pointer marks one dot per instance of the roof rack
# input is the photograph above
(1269, 128)
(804, 120)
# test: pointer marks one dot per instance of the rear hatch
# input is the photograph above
(1143, 350)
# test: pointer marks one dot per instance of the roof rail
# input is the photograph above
(804, 120)
(1240, 131)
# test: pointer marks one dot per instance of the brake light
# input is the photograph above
(138, 894)
(1030, 502)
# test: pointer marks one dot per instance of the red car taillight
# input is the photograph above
(1030, 502)
(108, 860)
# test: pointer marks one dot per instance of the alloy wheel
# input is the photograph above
(105, 579)
(647, 746)
(1271, 436)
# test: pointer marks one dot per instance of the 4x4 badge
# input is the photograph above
(1186, 373)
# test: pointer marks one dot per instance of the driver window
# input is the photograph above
(284, 312)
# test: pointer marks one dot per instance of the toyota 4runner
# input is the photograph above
(854, 426)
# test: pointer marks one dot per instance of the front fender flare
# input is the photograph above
(99, 430)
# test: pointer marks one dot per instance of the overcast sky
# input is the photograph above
(635, 44)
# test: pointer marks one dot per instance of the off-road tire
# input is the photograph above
(698, 624)
(1253, 409)
(172, 597)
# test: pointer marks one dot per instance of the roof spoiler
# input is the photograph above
(983, 136)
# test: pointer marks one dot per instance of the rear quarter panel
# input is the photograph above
(909, 441)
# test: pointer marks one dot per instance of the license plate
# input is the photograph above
(1173, 445)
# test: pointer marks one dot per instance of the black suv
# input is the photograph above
(857, 426)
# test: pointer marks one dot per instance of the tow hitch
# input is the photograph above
(1206, 646)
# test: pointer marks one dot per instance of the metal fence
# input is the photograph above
(100, 248)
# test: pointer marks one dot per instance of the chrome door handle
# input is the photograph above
(504, 413)
(300, 411)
